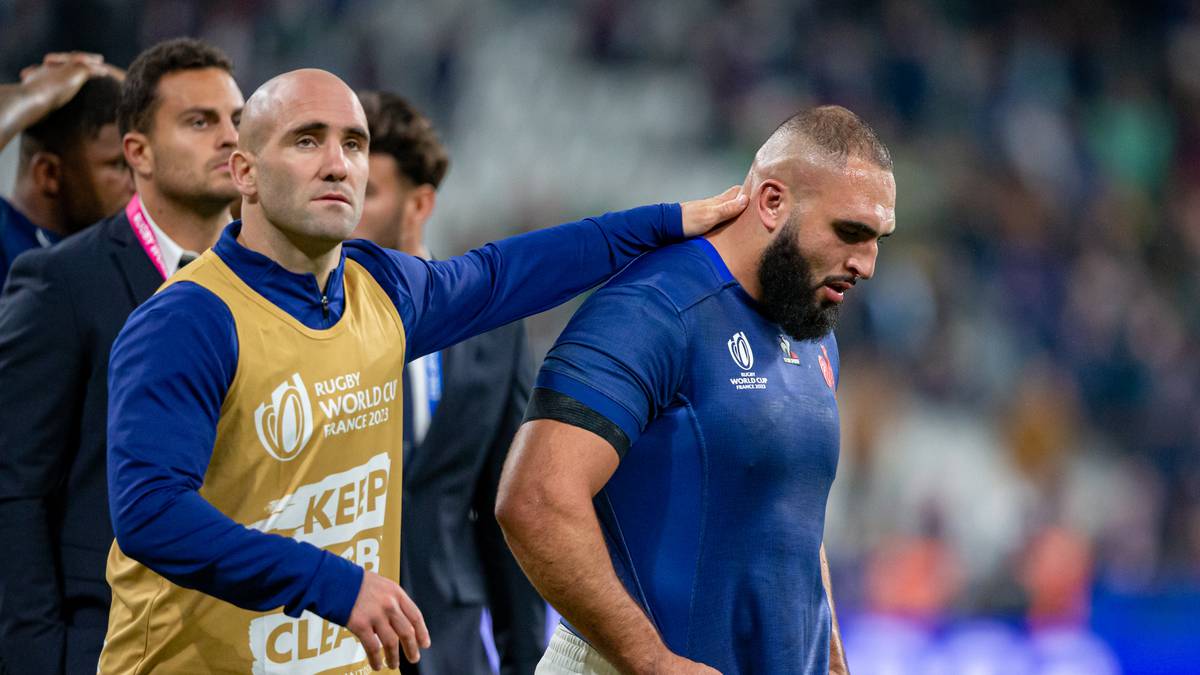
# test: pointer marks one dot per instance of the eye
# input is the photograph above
(198, 123)
(306, 142)
(353, 144)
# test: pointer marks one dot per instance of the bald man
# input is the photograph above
(255, 438)
(667, 491)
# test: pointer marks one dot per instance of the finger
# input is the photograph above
(730, 208)
(86, 57)
(372, 646)
(56, 58)
(408, 642)
(414, 616)
(391, 641)
(406, 633)
(113, 72)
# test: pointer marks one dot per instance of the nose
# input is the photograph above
(334, 165)
(862, 263)
(228, 136)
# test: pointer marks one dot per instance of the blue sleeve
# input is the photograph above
(444, 302)
(622, 355)
(170, 369)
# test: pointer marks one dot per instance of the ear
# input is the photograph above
(772, 204)
(138, 154)
(46, 170)
(419, 205)
(244, 173)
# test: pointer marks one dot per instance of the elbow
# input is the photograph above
(517, 510)
(131, 540)
(508, 513)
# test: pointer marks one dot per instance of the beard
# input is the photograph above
(789, 293)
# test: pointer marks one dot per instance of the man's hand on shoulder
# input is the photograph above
(702, 215)
(386, 620)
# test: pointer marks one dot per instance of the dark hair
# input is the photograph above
(139, 97)
(94, 106)
(400, 131)
(839, 132)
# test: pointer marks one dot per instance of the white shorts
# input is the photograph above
(569, 655)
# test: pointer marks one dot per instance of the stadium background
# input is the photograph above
(1019, 490)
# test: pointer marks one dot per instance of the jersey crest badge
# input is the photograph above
(739, 349)
(285, 425)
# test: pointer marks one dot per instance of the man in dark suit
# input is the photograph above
(60, 311)
(462, 407)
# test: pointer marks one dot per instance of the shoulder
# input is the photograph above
(182, 307)
(680, 274)
(376, 259)
(185, 297)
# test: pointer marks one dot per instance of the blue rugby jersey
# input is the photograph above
(177, 355)
(715, 515)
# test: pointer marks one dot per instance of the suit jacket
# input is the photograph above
(454, 559)
(59, 314)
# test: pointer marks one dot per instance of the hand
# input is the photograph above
(385, 619)
(59, 76)
(673, 664)
(702, 215)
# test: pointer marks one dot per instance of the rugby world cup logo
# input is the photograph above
(739, 349)
(286, 423)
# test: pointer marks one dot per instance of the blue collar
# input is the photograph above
(718, 263)
(25, 228)
(296, 294)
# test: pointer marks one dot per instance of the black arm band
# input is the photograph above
(547, 404)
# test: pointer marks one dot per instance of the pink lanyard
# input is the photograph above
(145, 235)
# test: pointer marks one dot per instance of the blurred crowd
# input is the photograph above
(1019, 381)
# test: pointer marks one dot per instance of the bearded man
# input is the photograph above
(667, 491)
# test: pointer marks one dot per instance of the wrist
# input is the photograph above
(673, 217)
(651, 657)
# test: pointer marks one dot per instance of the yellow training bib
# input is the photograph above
(308, 446)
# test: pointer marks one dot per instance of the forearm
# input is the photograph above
(837, 654)
(563, 553)
(179, 535)
(530, 273)
(20, 108)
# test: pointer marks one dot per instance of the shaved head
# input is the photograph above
(818, 138)
(261, 116)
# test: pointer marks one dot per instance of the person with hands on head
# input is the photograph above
(667, 491)
(70, 171)
(255, 459)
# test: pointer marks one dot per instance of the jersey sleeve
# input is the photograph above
(619, 361)
(170, 369)
(442, 302)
